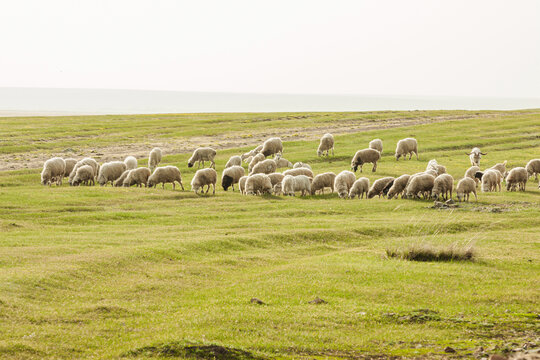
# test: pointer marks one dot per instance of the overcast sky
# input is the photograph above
(416, 47)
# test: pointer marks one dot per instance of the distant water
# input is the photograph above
(45, 101)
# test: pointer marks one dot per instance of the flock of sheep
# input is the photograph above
(263, 178)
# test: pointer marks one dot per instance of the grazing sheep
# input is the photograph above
(201, 155)
(251, 153)
(533, 168)
(234, 161)
(83, 175)
(204, 177)
(131, 162)
(475, 156)
(365, 156)
(292, 184)
(420, 184)
(165, 174)
(254, 161)
(501, 167)
(53, 171)
(398, 187)
(282, 162)
(272, 146)
(443, 186)
(258, 184)
(299, 171)
(322, 181)
(433, 165)
(86, 161)
(326, 144)
(343, 183)
(154, 158)
(120, 181)
(276, 178)
(471, 173)
(276, 189)
(464, 187)
(517, 177)
(248, 159)
(378, 186)
(242, 184)
(406, 146)
(267, 166)
(231, 176)
(491, 179)
(301, 165)
(137, 177)
(359, 188)
(70, 164)
(110, 171)
(376, 144)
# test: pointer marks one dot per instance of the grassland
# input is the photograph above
(101, 272)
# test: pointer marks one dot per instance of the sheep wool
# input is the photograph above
(533, 168)
(359, 188)
(301, 165)
(53, 171)
(282, 162)
(343, 183)
(291, 184)
(235, 160)
(84, 175)
(379, 185)
(254, 161)
(258, 184)
(326, 144)
(272, 146)
(322, 181)
(475, 155)
(491, 180)
(421, 184)
(517, 178)
(231, 176)
(202, 178)
(131, 162)
(154, 158)
(398, 187)
(299, 171)
(137, 177)
(443, 186)
(165, 174)
(406, 146)
(120, 181)
(464, 187)
(365, 156)
(471, 173)
(70, 164)
(86, 161)
(276, 178)
(267, 166)
(376, 144)
(110, 171)
(242, 185)
(203, 154)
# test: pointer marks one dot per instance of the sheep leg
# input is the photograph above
(181, 185)
(416, 152)
(163, 185)
(173, 185)
(374, 167)
(214, 189)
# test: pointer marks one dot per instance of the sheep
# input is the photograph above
(501, 167)
(471, 173)
(292, 184)
(255, 160)
(299, 171)
(420, 184)
(433, 165)
(517, 177)
(406, 146)
(365, 156)
(86, 161)
(201, 155)
(301, 165)
(53, 171)
(242, 184)
(110, 172)
(376, 144)
(154, 158)
(475, 156)
(533, 168)
(251, 153)
(398, 187)
(443, 186)
(248, 159)
(276, 178)
(343, 183)
(83, 175)
(258, 184)
(464, 187)
(276, 189)
(491, 179)
(378, 186)
(322, 181)
(120, 181)
(326, 144)
(234, 161)
(163, 175)
(70, 164)
(137, 177)
(204, 177)
(267, 166)
(359, 188)
(272, 146)
(231, 176)
(131, 162)
(282, 162)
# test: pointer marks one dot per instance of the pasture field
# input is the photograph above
(134, 273)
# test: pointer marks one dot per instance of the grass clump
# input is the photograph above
(194, 351)
(428, 252)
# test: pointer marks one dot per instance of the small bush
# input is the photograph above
(427, 252)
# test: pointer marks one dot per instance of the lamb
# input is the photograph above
(322, 181)
(378, 186)
(272, 146)
(267, 166)
(131, 162)
(292, 184)
(255, 160)
(464, 187)
(326, 144)
(301, 165)
(83, 175)
(491, 178)
(53, 171)
(276, 178)
(86, 161)
(471, 173)
(433, 165)
(166, 174)
(234, 161)
(242, 184)
(365, 156)
(501, 167)
(251, 153)
(359, 188)
(443, 186)
(231, 176)
(154, 158)
(299, 171)
(282, 162)
(343, 183)
(517, 177)
(406, 146)
(120, 181)
(533, 168)
(398, 187)
(137, 177)
(201, 155)
(258, 184)
(70, 164)
(204, 177)
(420, 184)
(475, 156)
(376, 144)
(110, 172)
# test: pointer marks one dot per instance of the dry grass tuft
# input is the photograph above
(427, 252)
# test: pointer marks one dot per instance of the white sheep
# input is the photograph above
(202, 178)
(154, 158)
(120, 181)
(110, 171)
(343, 183)
(267, 166)
(433, 165)
(475, 156)
(517, 177)
(420, 184)
(53, 171)
(131, 162)
(70, 164)
(203, 154)
(398, 187)
(301, 165)
(231, 176)
(501, 167)
(86, 161)
(299, 171)
(276, 178)
(242, 185)
(406, 146)
(282, 162)
(533, 168)
(83, 175)
(258, 184)
(365, 156)
(491, 180)
(251, 153)
(291, 184)
(326, 144)
(379, 186)
(471, 173)
(376, 144)
(443, 186)
(322, 181)
(255, 160)
(359, 188)
(138, 176)
(165, 174)
(464, 187)
(235, 160)
(272, 146)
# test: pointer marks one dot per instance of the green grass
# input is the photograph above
(113, 273)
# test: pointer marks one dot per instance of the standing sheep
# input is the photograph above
(398, 187)
(491, 180)
(234, 161)
(110, 171)
(517, 177)
(301, 165)
(120, 181)
(299, 171)
(231, 176)
(83, 175)
(343, 183)
(376, 144)
(255, 160)
(201, 155)
(533, 168)
(251, 153)
(137, 177)
(276, 178)
(154, 158)
(292, 184)
(267, 166)
(272, 146)
(242, 185)
(53, 171)
(258, 184)
(365, 156)
(326, 144)
(359, 188)
(86, 161)
(475, 155)
(322, 181)
(378, 186)
(443, 186)
(163, 175)
(433, 165)
(131, 162)
(70, 164)
(471, 173)
(406, 146)
(204, 177)
(464, 187)
(501, 167)
(420, 184)
(282, 162)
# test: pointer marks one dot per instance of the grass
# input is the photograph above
(427, 252)
(136, 273)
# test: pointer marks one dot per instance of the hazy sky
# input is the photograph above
(422, 47)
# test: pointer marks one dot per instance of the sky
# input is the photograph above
(379, 47)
